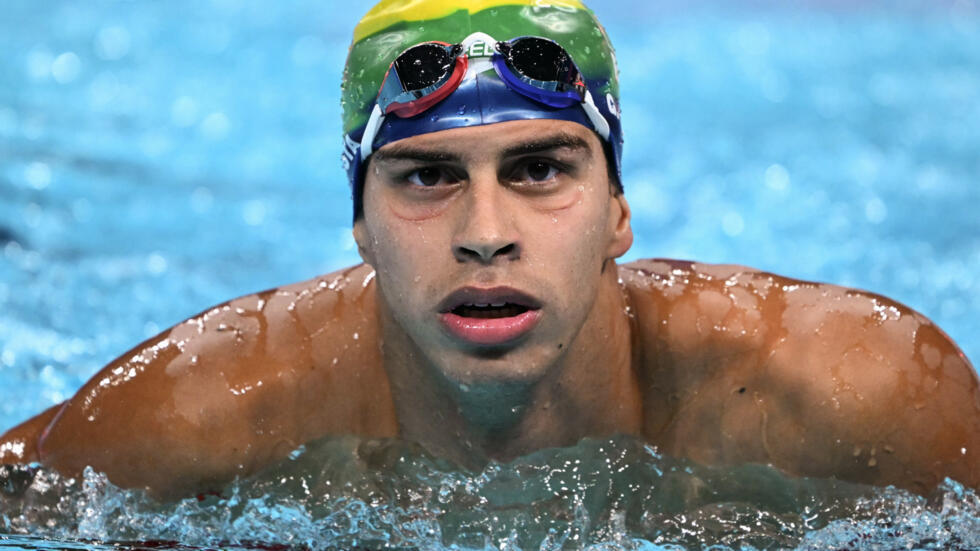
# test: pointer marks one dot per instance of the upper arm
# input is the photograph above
(880, 394)
(19, 445)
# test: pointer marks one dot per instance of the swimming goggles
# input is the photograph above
(427, 73)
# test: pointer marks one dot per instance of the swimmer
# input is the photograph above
(490, 317)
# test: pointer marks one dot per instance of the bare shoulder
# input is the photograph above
(231, 389)
(814, 378)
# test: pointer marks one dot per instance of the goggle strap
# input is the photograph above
(599, 122)
(371, 130)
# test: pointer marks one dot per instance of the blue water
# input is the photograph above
(157, 158)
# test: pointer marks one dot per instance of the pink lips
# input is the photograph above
(489, 331)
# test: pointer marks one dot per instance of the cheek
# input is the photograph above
(575, 236)
(405, 253)
(569, 246)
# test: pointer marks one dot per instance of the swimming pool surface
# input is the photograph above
(158, 158)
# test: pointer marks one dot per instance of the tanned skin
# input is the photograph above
(720, 364)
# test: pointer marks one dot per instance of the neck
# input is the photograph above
(590, 390)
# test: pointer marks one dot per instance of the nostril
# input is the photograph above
(486, 254)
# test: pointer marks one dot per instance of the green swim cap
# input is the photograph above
(393, 26)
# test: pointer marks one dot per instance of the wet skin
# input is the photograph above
(721, 364)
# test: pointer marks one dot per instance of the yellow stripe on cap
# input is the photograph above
(389, 12)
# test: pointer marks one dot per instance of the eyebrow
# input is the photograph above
(408, 153)
(547, 143)
(397, 152)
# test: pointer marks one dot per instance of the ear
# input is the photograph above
(620, 230)
(363, 238)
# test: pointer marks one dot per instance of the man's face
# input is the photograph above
(489, 243)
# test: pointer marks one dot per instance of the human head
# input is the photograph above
(393, 26)
(479, 219)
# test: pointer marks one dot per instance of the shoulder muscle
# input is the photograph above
(814, 378)
(231, 389)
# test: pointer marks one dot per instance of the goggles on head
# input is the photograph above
(427, 73)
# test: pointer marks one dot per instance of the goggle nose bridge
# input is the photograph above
(490, 44)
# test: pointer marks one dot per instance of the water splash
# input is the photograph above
(601, 494)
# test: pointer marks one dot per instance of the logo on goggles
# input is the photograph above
(480, 48)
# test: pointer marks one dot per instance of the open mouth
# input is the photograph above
(490, 311)
(499, 316)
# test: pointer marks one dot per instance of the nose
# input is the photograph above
(486, 232)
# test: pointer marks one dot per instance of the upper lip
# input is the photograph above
(492, 295)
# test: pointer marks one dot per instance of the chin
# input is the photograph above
(496, 366)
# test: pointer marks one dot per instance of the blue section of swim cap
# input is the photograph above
(484, 99)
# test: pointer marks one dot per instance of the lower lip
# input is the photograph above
(490, 331)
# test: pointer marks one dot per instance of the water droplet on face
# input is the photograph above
(418, 278)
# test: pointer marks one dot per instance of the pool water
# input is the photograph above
(158, 158)
(601, 494)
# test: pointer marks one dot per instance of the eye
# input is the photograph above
(538, 171)
(429, 177)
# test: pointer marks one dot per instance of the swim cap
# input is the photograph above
(393, 26)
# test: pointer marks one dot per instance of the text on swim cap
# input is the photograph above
(480, 49)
